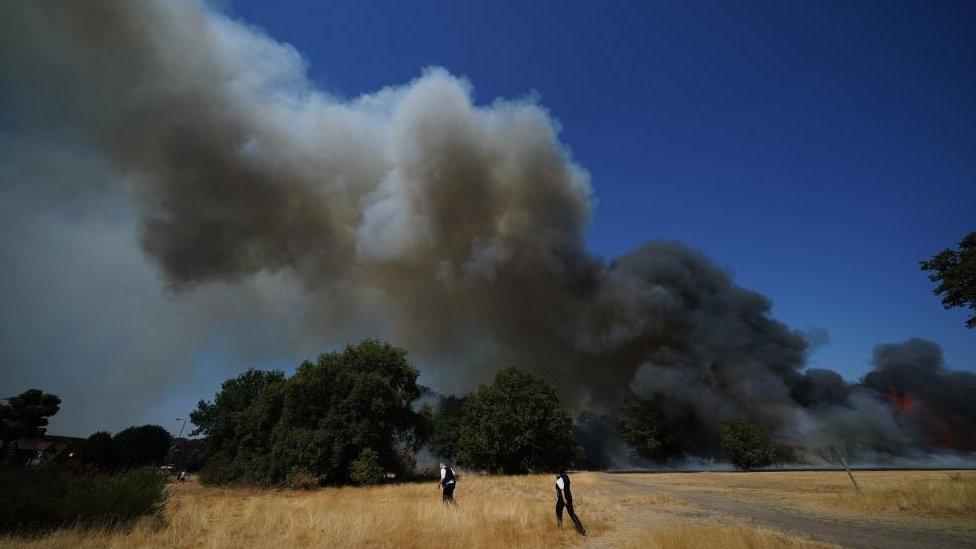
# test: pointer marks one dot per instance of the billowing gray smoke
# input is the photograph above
(927, 396)
(454, 229)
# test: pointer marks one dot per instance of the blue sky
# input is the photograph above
(818, 150)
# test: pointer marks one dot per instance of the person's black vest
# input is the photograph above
(448, 475)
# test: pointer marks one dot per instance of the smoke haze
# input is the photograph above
(174, 171)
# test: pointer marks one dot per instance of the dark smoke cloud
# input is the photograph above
(294, 219)
(930, 398)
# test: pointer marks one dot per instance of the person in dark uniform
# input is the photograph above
(564, 498)
(448, 482)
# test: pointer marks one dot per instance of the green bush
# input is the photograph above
(43, 499)
(301, 479)
(219, 469)
(366, 469)
(746, 445)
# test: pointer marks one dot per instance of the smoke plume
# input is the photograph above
(454, 229)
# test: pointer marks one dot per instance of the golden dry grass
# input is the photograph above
(910, 494)
(943, 495)
(518, 512)
(722, 536)
(491, 512)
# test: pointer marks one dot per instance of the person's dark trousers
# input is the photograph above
(572, 513)
(449, 493)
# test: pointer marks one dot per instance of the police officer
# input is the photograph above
(564, 498)
(448, 482)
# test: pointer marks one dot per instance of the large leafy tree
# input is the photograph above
(645, 428)
(98, 452)
(227, 422)
(26, 415)
(129, 448)
(139, 446)
(264, 428)
(954, 271)
(516, 425)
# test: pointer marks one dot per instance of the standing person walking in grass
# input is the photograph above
(564, 498)
(448, 482)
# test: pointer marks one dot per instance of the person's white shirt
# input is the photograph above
(559, 483)
(444, 474)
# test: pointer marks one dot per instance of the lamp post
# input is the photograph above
(171, 455)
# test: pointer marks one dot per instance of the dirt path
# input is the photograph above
(729, 510)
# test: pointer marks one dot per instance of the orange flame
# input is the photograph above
(902, 401)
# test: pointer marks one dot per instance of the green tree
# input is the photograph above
(26, 415)
(98, 452)
(237, 426)
(954, 271)
(140, 446)
(746, 445)
(645, 428)
(445, 431)
(220, 420)
(263, 428)
(516, 425)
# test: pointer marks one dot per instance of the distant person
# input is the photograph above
(448, 482)
(564, 498)
(182, 475)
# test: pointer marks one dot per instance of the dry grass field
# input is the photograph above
(721, 536)
(491, 512)
(949, 495)
(650, 510)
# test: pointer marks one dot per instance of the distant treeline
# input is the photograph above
(104, 481)
(353, 417)
(359, 416)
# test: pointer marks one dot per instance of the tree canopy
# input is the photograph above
(746, 445)
(445, 428)
(954, 271)
(26, 415)
(353, 407)
(645, 428)
(130, 448)
(98, 452)
(516, 425)
(138, 446)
